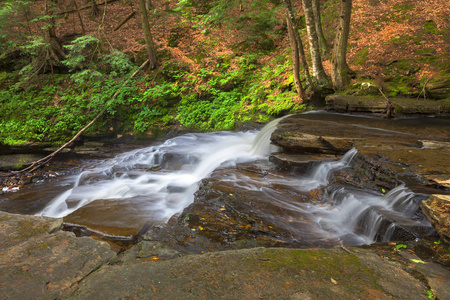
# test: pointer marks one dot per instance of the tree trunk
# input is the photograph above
(318, 71)
(94, 10)
(295, 61)
(318, 21)
(299, 43)
(83, 31)
(149, 5)
(148, 35)
(55, 52)
(339, 68)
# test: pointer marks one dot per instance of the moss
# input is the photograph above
(28, 229)
(403, 7)
(40, 246)
(431, 27)
(361, 56)
(425, 51)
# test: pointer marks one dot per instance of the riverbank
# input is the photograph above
(40, 261)
(181, 259)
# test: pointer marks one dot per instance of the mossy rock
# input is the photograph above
(438, 88)
(364, 88)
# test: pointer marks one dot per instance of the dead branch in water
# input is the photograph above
(389, 107)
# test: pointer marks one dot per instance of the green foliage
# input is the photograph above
(361, 56)
(12, 14)
(144, 119)
(80, 50)
(218, 112)
(400, 246)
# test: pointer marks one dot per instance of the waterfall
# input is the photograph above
(261, 145)
(160, 181)
(182, 162)
(362, 214)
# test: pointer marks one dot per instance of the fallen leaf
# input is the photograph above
(333, 281)
(417, 261)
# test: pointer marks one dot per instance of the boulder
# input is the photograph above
(437, 210)
(39, 261)
(302, 142)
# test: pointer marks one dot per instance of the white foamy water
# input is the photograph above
(161, 181)
(162, 178)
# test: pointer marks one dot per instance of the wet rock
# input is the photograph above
(39, 261)
(17, 161)
(437, 210)
(302, 142)
(112, 220)
(301, 163)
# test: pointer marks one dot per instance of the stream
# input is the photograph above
(151, 185)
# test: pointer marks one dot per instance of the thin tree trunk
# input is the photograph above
(55, 52)
(124, 21)
(339, 68)
(148, 35)
(79, 17)
(318, 71)
(293, 24)
(318, 21)
(295, 61)
(149, 5)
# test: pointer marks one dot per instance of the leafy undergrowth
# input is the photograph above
(219, 65)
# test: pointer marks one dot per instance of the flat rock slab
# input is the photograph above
(378, 105)
(261, 273)
(114, 218)
(39, 261)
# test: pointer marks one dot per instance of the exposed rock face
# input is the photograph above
(437, 210)
(438, 89)
(17, 161)
(39, 261)
(378, 104)
(258, 273)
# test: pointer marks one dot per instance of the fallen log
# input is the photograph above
(124, 21)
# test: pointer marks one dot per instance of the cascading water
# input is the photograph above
(160, 181)
(165, 176)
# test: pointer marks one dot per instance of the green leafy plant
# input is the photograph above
(400, 246)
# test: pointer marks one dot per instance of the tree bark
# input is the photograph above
(318, 21)
(55, 52)
(299, 44)
(148, 35)
(83, 31)
(318, 71)
(149, 5)
(94, 11)
(339, 68)
(295, 61)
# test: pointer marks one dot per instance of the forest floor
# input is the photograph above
(382, 34)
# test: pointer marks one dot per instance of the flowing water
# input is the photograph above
(160, 181)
